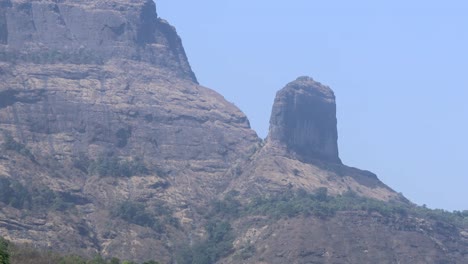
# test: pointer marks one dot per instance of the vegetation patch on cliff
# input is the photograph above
(320, 204)
(26, 254)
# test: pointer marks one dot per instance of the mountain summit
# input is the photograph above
(76, 31)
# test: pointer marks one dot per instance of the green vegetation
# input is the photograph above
(136, 213)
(220, 236)
(15, 194)
(82, 162)
(122, 136)
(292, 204)
(217, 245)
(320, 204)
(25, 254)
(11, 144)
(113, 166)
(4, 252)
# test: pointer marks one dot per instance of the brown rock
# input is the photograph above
(303, 119)
(89, 32)
(81, 80)
(85, 85)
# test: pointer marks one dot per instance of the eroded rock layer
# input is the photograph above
(89, 32)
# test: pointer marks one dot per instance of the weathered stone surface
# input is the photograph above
(85, 83)
(89, 32)
(303, 118)
(81, 80)
(301, 151)
(351, 237)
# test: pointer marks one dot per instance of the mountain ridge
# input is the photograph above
(124, 154)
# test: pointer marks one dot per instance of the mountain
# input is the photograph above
(110, 146)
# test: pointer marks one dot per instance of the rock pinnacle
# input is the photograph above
(303, 119)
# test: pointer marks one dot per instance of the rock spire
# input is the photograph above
(303, 119)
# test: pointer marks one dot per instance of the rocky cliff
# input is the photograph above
(303, 119)
(89, 32)
(110, 146)
(98, 107)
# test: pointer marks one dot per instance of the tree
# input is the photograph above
(97, 260)
(128, 262)
(151, 262)
(321, 194)
(72, 259)
(4, 253)
(114, 261)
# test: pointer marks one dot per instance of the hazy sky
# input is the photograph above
(399, 71)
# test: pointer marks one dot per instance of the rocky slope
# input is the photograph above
(301, 150)
(107, 83)
(109, 145)
(89, 32)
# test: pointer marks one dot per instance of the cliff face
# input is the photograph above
(99, 77)
(99, 106)
(109, 145)
(88, 32)
(303, 118)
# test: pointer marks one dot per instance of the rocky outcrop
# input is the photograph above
(89, 32)
(91, 90)
(109, 146)
(303, 119)
(301, 150)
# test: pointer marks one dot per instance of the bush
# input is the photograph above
(4, 252)
(72, 259)
(82, 162)
(320, 204)
(11, 144)
(122, 136)
(217, 245)
(15, 194)
(136, 213)
(28, 254)
(113, 166)
(229, 207)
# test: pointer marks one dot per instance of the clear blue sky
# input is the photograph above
(399, 71)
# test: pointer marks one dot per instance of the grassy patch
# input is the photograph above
(217, 245)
